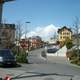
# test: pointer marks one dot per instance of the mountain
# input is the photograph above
(45, 32)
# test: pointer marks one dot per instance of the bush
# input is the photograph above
(14, 50)
(74, 62)
(68, 43)
(72, 55)
(20, 55)
(78, 62)
(21, 58)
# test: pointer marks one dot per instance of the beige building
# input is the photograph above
(7, 35)
(64, 33)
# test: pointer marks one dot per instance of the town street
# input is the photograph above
(52, 68)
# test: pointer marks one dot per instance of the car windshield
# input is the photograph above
(40, 39)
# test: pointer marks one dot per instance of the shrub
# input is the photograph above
(20, 55)
(68, 43)
(74, 62)
(71, 54)
(78, 62)
(14, 50)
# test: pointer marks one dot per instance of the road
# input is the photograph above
(52, 68)
(35, 57)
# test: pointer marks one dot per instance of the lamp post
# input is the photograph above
(26, 33)
(1, 7)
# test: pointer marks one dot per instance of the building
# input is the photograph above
(64, 33)
(31, 43)
(7, 35)
(25, 44)
(36, 41)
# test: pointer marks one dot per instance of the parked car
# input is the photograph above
(52, 50)
(6, 57)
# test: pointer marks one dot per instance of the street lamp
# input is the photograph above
(26, 33)
(26, 27)
(1, 8)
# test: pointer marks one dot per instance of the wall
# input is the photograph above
(61, 52)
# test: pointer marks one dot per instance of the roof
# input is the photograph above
(7, 26)
(64, 27)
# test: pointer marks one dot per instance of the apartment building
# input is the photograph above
(7, 35)
(64, 33)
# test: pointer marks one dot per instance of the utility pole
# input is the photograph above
(1, 7)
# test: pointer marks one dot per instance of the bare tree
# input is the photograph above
(19, 33)
(76, 29)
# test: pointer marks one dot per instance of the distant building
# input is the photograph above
(36, 41)
(64, 33)
(25, 43)
(7, 35)
(31, 42)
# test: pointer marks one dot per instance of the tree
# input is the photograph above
(68, 43)
(76, 28)
(19, 33)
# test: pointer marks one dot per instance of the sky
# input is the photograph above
(42, 13)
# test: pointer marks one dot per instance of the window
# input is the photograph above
(64, 37)
(61, 37)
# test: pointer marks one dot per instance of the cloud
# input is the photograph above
(44, 32)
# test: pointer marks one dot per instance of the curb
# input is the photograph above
(74, 65)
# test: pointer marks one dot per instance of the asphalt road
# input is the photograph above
(50, 68)
(35, 57)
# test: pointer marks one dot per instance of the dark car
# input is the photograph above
(52, 50)
(6, 57)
